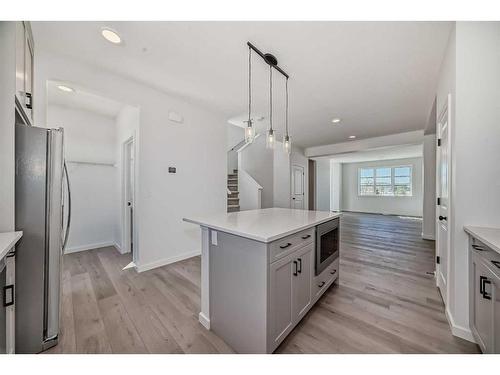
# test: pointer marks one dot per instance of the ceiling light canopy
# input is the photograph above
(111, 35)
(336, 120)
(65, 88)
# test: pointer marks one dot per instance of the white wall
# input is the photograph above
(470, 72)
(323, 185)
(429, 177)
(89, 137)
(197, 147)
(258, 162)
(7, 141)
(351, 201)
(336, 186)
(235, 135)
(282, 177)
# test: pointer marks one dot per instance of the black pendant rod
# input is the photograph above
(268, 58)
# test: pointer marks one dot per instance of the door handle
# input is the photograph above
(443, 218)
(483, 280)
(300, 265)
(5, 289)
(29, 104)
(285, 246)
(295, 268)
(293, 198)
(306, 236)
(129, 204)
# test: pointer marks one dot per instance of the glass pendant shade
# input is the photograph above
(287, 144)
(270, 139)
(249, 133)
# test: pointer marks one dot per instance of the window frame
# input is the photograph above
(392, 168)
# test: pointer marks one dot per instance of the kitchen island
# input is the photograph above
(260, 272)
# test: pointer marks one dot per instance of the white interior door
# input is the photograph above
(297, 187)
(128, 201)
(443, 208)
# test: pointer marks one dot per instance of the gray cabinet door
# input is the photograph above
(302, 291)
(495, 299)
(281, 298)
(482, 307)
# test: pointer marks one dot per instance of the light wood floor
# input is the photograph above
(384, 302)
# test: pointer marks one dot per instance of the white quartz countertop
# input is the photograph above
(7, 241)
(264, 225)
(488, 236)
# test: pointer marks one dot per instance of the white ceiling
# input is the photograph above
(82, 99)
(382, 153)
(379, 77)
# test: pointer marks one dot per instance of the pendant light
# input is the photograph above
(287, 143)
(271, 137)
(249, 130)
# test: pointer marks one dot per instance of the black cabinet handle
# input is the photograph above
(29, 105)
(5, 289)
(443, 218)
(295, 268)
(300, 265)
(477, 247)
(333, 272)
(285, 246)
(321, 285)
(483, 280)
(496, 263)
(306, 236)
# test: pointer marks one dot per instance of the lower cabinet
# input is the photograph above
(485, 300)
(290, 292)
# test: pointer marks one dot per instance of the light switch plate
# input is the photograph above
(214, 238)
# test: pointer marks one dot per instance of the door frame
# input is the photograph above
(125, 229)
(444, 112)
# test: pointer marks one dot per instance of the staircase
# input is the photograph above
(233, 200)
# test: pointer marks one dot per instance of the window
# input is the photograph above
(385, 181)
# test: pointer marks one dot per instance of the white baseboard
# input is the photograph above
(164, 262)
(428, 237)
(459, 331)
(75, 249)
(205, 322)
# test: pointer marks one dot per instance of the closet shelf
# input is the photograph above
(91, 162)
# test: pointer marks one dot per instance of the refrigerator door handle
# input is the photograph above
(68, 219)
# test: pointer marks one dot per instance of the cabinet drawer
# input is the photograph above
(287, 245)
(488, 256)
(325, 279)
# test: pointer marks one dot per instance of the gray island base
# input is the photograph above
(258, 274)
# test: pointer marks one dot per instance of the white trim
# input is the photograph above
(205, 322)
(459, 331)
(165, 261)
(76, 249)
(428, 237)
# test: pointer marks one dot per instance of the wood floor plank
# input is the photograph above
(385, 301)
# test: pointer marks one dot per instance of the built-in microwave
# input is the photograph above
(327, 244)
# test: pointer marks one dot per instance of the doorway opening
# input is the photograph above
(312, 184)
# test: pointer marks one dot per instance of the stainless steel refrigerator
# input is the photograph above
(39, 214)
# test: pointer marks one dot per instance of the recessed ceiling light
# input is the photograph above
(336, 120)
(65, 88)
(352, 137)
(111, 35)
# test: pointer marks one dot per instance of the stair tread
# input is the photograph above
(233, 205)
